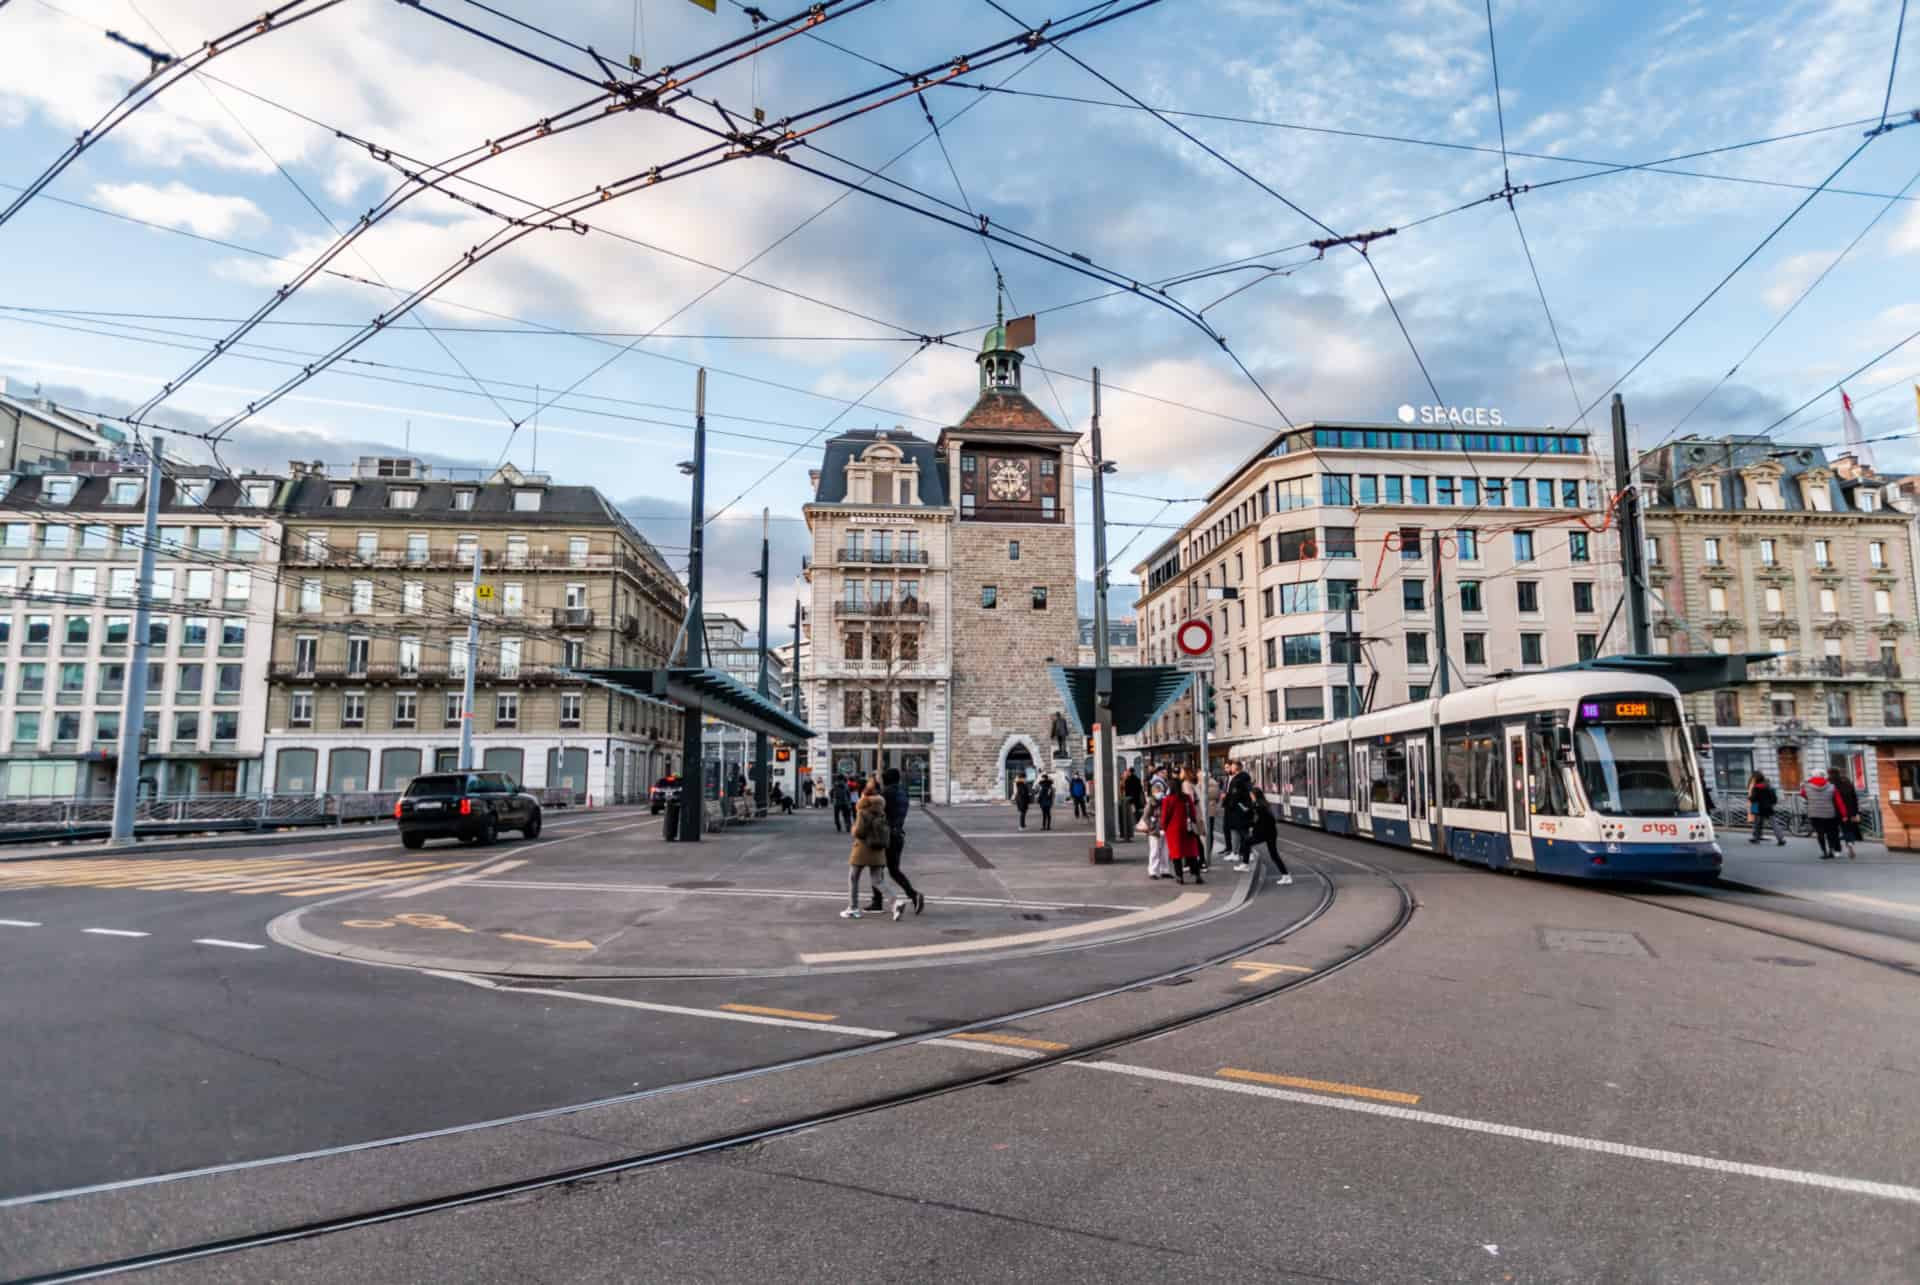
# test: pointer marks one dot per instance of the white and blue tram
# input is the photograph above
(1589, 774)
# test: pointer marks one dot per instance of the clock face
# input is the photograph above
(1010, 480)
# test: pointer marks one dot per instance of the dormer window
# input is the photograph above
(57, 490)
(123, 490)
(258, 494)
(1819, 498)
(1766, 495)
(526, 501)
(463, 499)
(402, 497)
(192, 491)
(343, 496)
(1866, 500)
(1706, 495)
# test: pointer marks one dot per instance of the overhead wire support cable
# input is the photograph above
(1899, 30)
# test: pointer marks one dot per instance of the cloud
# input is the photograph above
(178, 206)
(1792, 276)
(1906, 236)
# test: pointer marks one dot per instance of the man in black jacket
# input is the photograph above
(1237, 808)
(896, 796)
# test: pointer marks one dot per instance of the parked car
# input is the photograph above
(665, 790)
(470, 806)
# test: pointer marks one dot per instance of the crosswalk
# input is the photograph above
(280, 876)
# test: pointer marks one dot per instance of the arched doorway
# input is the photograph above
(1018, 763)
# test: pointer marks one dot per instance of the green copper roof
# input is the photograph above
(996, 339)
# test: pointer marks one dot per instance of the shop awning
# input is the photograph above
(711, 691)
(1141, 693)
(1689, 673)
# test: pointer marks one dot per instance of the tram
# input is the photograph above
(1587, 774)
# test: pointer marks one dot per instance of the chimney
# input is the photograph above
(296, 469)
(1846, 466)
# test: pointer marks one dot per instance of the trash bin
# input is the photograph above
(672, 823)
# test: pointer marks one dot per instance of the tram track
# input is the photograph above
(1028, 1064)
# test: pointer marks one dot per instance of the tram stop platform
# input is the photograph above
(763, 899)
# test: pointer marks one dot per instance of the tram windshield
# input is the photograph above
(1633, 756)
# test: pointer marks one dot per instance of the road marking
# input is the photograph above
(1001, 1050)
(230, 945)
(289, 876)
(469, 878)
(1898, 907)
(1569, 1141)
(1013, 1041)
(114, 932)
(1321, 1086)
(647, 1006)
(1259, 972)
(501, 867)
(19, 923)
(813, 894)
(1178, 906)
(779, 1012)
(549, 942)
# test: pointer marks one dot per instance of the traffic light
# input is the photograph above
(1212, 723)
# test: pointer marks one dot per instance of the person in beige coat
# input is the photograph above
(870, 836)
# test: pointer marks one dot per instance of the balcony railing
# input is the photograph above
(904, 557)
(573, 617)
(904, 609)
(1818, 667)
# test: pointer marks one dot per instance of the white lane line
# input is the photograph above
(456, 880)
(555, 885)
(681, 1010)
(973, 1046)
(114, 932)
(1178, 906)
(1569, 1141)
(230, 945)
(19, 923)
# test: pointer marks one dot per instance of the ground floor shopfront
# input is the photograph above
(602, 769)
(920, 756)
(1788, 759)
(91, 775)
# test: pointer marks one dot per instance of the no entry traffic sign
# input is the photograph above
(1195, 638)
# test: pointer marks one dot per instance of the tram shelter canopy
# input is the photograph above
(1690, 674)
(711, 691)
(1141, 693)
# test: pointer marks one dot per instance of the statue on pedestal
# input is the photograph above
(1059, 733)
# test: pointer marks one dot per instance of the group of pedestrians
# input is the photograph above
(878, 821)
(1833, 812)
(1176, 843)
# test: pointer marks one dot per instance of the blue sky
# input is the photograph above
(1621, 256)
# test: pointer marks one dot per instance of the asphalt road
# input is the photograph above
(1533, 1081)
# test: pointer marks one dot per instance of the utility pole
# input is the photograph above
(1353, 648)
(793, 695)
(1440, 614)
(1632, 544)
(762, 756)
(1106, 813)
(473, 663)
(692, 756)
(133, 714)
(1202, 704)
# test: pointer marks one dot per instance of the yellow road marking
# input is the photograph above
(1259, 972)
(1319, 1086)
(778, 1012)
(549, 942)
(289, 876)
(1012, 1041)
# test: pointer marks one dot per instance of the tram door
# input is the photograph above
(1362, 790)
(1313, 787)
(1418, 822)
(1519, 827)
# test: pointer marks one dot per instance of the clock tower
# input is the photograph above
(1013, 582)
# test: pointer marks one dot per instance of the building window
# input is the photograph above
(1474, 647)
(362, 597)
(1342, 594)
(1583, 596)
(402, 497)
(456, 707)
(1272, 651)
(1413, 595)
(1296, 649)
(516, 550)
(1273, 706)
(1829, 602)
(989, 596)
(1893, 708)
(1822, 553)
(353, 709)
(1305, 703)
(577, 551)
(967, 464)
(1710, 549)
(526, 501)
(413, 597)
(1527, 595)
(1717, 600)
(1877, 553)
(463, 500)
(1417, 649)
(416, 546)
(506, 709)
(258, 494)
(572, 653)
(1532, 652)
(300, 709)
(306, 651)
(1726, 709)
(1409, 544)
(509, 658)
(909, 709)
(1338, 542)
(853, 708)
(1523, 546)
(1013, 551)
(1839, 709)
(1420, 691)
(1706, 495)
(1337, 489)
(1767, 558)
(1039, 597)
(1882, 602)
(1783, 708)
(1470, 596)
(1578, 549)
(569, 709)
(310, 596)
(1820, 500)
(357, 655)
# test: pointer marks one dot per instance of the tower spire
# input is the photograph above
(999, 299)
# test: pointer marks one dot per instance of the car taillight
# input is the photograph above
(466, 807)
(396, 809)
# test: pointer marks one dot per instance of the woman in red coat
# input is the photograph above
(1183, 847)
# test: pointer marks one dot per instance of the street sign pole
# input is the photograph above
(473, 663)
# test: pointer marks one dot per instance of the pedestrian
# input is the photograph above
(1136, 796)
(1179, 829)
(869, 852)
(1022, 799)
(1077, 791)
(895, 795)
(1044, 797)
(1158, 867)
(1849, 800)
(806, 791)
(1236, 809)
(1823, 813)
(1266, 830)
(842, 805)
(1764, 802)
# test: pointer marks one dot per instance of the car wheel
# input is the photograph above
(656, 808)
(489, 831)
(532, 830)
(412, 840)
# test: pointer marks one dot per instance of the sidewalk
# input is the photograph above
(763, 900)
(1876, 880)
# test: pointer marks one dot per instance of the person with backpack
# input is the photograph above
(1264, 829)
(871, 835)
(842, 805)
(895, 795)
(1824, 812)
(1764, 803)
(1022, 799)
(1135, 795)
(1849, 800)
(1077, 791)
(1044, 797)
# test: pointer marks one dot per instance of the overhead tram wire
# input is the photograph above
(1899, 30)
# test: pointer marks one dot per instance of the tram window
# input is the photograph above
(1634, 757)
(1549, 792)
(1473, 770)
(1333, 767)
(1389, 780)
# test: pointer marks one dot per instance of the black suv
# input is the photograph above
(665, 790)
(471, 806)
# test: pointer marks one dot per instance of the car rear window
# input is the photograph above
(436, 787)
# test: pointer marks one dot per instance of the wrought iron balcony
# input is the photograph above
(1814, 668)
(905, 609)
(573, 617)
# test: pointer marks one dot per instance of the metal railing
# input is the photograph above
(1824, 667)
(22, 820)
(573, 617)
(905, 557)
(1792, 813)
(904, 609)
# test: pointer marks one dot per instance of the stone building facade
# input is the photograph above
(1754, 545)
(1334, 514)
(1010, 472)
(370, 633)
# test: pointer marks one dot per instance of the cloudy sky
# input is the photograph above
(240, 177)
